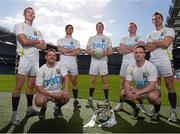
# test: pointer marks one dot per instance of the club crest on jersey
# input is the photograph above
(136, 39)
(103, 40)
(35, 33)
(163, 33)
(58, 70)
(145, 74)
(71, 42)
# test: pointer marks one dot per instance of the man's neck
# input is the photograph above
(50, 65)
(140, 63)
(99, 33)
(159, 27)
(132, 34)
(28, 22)
(68, 36)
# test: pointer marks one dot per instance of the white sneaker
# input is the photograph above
(151, 111)
(142, 108)
(173, 117)
(31, 111)
(89, 103)
(15, 119)
(118, 107)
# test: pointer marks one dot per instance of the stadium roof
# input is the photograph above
(173, 20)
(6, 36)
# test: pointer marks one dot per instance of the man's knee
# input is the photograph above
(40, 101)
(122, 93)
(154, 98)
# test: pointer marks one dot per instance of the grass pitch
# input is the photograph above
(8, 81)
(73, 121)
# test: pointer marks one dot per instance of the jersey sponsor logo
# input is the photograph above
(141, 84)
(52, 81)
(98, 45)
(70, 46)
(32, 37)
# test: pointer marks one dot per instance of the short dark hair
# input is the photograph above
(100, 24)
(141, 46)
(133, 24)
(27, 9)
(157, 13)
(69, 25)
(50, 50)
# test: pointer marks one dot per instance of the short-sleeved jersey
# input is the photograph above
(130, 42)
(69, 43)
(141, 75)
(29, 52)
(160, 54)
(51, 78)
(99, 42)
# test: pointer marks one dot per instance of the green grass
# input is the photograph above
(8, 81)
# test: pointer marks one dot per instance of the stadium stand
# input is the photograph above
(173, 20)
(8, 48)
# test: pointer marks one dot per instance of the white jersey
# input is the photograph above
(69, 43)
(51, 78)
(142, 75)
(160, 54)
(29, 52)
(99, 42)
(130, 42)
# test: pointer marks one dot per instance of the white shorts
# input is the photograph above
(28, 67)
(98, 68)
(71, 68)
(124, 66)
(163, 67)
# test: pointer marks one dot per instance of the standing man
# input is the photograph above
(69, 49)
(99, 47)
(29, 41)
(49, 84)
(144, 76)
(160, 44)
(126, 48)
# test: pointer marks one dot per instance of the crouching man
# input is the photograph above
(49, 84)
(144, 76)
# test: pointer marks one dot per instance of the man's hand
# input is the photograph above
(65, 96)
(41, 45)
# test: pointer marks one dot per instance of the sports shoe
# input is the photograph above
(76, 104)
(31, 111)
(58, 113)
(118, 107)
(151, 111)
(135, 113)
(89, 103)
(173, 117)
(142, 108)
(106, 102)
(155, 118)
(15, 120)
(42, 113)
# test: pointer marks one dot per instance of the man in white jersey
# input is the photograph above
(126, 47)
(160, 44)
(49, 85)
(99, 47)
(144, 75)
(29, 41)
(69, 49)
